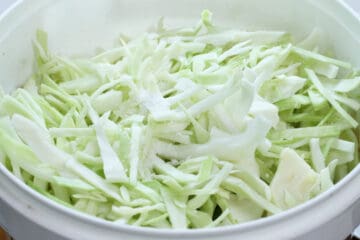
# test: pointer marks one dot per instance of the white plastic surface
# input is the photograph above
(4, 4)
(78, 27)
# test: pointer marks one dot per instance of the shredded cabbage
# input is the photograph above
(184, 128)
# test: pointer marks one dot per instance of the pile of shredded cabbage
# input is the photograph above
(184, 128)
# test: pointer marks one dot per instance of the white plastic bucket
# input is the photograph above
(78, 27)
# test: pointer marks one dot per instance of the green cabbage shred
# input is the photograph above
(184, 128)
